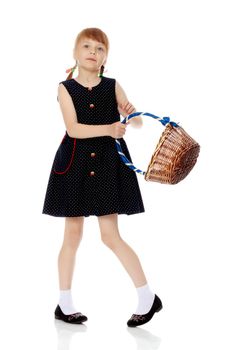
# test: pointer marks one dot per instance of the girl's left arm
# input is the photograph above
(125, 107)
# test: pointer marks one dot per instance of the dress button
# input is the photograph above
(92, 154)
(91, 105)
(92, 173)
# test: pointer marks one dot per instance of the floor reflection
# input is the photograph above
(144, 339)
(65, 332)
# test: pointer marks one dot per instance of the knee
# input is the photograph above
(110, 240)
(73, 235)
(72, 239)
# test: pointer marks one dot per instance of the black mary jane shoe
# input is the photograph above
(138, 320)
(77, 317)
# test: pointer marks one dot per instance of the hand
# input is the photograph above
(117, 130)
(126, 108)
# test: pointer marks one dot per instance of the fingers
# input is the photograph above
(127, 107)
(121, 125)
(120, 129)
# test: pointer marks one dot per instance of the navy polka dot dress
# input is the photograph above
(87, 175)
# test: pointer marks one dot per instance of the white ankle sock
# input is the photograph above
(66, 302)
(145, 299)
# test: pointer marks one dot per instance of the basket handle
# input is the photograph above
(164, 121)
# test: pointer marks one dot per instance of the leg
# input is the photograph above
(111, 237)
(148, 302)
(66, 259)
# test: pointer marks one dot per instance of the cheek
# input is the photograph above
(82, 55)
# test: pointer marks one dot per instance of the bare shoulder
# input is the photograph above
(62, 92)
(120, 93)
(118, 87)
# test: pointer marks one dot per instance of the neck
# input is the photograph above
(87, 76)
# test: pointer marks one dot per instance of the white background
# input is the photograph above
(173, 58)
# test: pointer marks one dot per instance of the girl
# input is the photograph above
(88, 176)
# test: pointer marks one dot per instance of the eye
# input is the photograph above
(101, 48)
(85, 45)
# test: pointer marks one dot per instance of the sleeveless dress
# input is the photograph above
(87, 176)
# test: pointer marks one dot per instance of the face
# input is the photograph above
(90, 54)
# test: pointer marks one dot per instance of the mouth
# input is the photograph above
(91, 59)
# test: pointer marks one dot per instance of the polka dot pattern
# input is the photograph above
(87, 176)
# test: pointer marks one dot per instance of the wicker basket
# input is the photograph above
(174, 157)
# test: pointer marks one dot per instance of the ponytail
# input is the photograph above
(101, 72)
(70, 71)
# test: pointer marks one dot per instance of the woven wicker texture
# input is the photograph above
(174, 157)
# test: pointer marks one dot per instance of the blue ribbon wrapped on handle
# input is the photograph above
(175, 154)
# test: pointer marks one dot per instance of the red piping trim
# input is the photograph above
(71, 160)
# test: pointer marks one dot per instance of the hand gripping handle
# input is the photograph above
(164, 121)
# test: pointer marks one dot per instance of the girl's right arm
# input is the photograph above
(73, 127)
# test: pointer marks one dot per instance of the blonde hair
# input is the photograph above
(90, 33)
